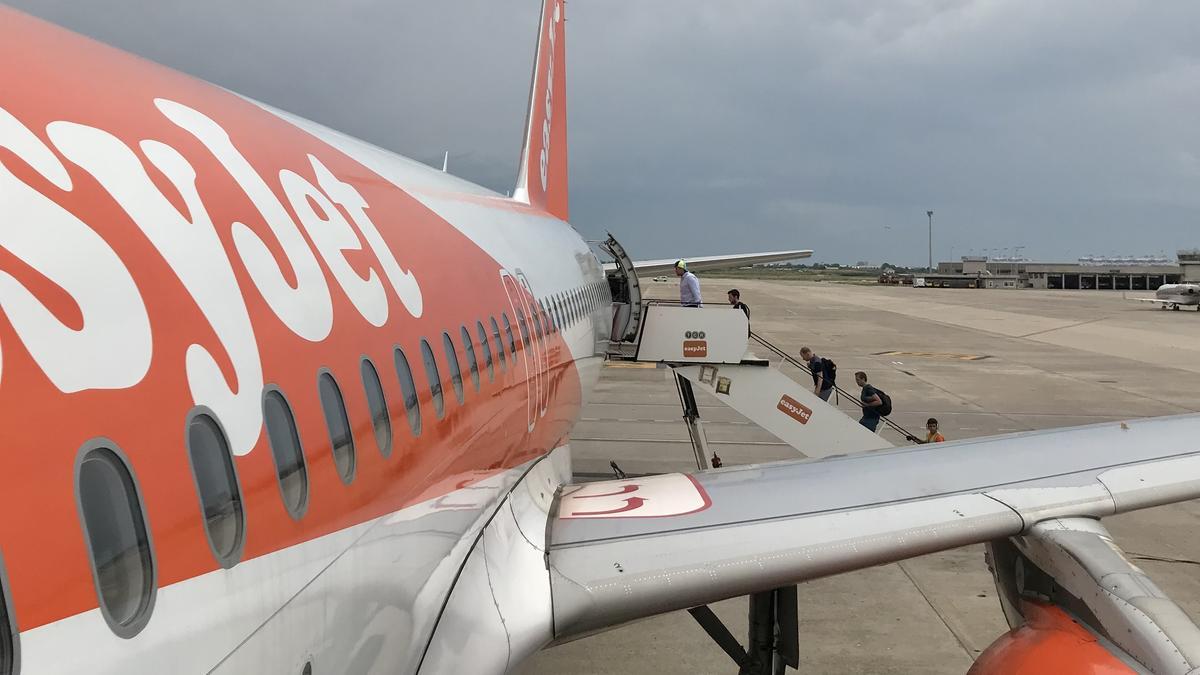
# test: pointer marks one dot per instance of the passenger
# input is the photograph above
(735, 301)
(824, 373)
(872, 402)
(689, 285)
(932, 435)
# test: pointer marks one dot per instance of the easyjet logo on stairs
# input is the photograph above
(695, 348)
(795, 409)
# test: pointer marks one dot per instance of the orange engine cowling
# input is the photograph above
(1050, 642)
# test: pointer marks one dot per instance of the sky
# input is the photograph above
(700, 127)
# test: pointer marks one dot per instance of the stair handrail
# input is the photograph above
(804, 366)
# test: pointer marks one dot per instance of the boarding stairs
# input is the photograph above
(708, 348)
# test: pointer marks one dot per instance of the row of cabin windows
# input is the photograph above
(568, 307)
(109, 499)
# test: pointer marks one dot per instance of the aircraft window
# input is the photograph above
(287, 451)
(472, 364)
(534, 311)
(10, 642)
(523, 326)
(340, 438)
(217, 485)
(455, 371)
(114, 525)
(487, 350)
(499, 344)
(555, 319)
(408, 389)
(435, 380)
(381, 419)
(546, 318)
(512, 344)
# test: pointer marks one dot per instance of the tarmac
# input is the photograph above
(983, 362)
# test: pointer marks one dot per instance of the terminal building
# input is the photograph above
(1091, 273)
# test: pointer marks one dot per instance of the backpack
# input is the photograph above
(886, 408)
(829, 370)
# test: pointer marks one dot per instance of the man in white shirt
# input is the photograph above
(689, 285)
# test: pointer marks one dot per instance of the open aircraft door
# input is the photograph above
(626, 293)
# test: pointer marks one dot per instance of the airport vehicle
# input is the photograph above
(1174, 296)
(278, 401)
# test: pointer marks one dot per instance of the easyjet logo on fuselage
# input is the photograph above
(115, 320)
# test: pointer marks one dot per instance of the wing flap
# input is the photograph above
(625, 579)
(627, 549)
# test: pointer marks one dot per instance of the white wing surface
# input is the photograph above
(622, 550)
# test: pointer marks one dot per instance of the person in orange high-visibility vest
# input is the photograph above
(932, 435)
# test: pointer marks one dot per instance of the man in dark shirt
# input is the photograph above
(870, 402)
(735, 300)
(822, 375)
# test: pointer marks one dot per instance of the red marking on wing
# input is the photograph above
(623, 491)
(630, 504)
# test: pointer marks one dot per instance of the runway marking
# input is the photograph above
(629, 364)
(938, 355)
(1073, 325)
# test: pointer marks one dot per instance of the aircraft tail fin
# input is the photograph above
(542, 181)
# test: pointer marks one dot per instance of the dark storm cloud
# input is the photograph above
(701, 126)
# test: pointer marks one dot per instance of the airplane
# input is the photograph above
(276, 400)
(1174, 296)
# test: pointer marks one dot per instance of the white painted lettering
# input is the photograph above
(191, 248)
(332, 235)
(403, 282)
(114, 347)
(306, 309)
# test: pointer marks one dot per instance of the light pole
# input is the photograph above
(930, 214)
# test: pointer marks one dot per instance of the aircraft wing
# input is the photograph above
(1152, 300)
(621, 550)
(653, 267)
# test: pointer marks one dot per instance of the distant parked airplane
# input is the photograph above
(1172, 296)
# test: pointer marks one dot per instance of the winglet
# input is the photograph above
(542, 182)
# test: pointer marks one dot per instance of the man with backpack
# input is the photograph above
(824, 373)
(876, 403)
